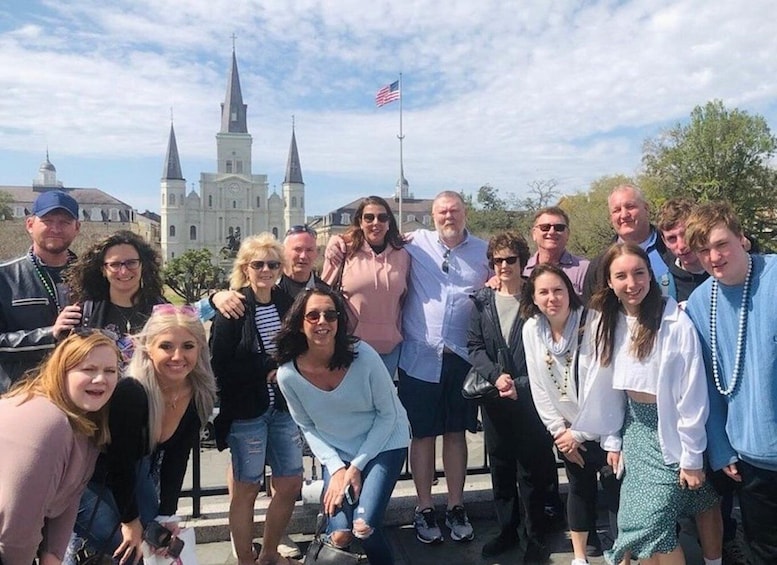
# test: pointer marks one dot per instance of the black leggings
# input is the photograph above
(583, 490)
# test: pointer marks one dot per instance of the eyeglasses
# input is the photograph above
(511, 260)
(301, 229)
(314, 316)
(115, 266)
(445, 264)
(382, 217)
(83, 331)
(166, 309)
(259, 265)
(546, 227)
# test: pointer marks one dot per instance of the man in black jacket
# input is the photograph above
(31, 295)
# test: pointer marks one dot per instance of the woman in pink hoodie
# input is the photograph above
(373, 277)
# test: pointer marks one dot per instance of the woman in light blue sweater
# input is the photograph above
(341, 395)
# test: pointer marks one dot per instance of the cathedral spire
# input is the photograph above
(172, 167)
(293, 168)
(233, 111)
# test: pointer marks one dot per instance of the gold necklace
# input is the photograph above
(564, 384)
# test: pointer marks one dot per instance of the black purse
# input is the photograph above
(325, 554)
(478, 387)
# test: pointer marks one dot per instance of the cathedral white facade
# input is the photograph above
(233, 202)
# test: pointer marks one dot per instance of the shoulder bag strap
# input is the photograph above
(580, 332)
(337, 284)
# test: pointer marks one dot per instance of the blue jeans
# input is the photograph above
(391, 361)
(378, 479)
(97, 531)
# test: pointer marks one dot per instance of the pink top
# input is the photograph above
(44, 468)
(374, 286)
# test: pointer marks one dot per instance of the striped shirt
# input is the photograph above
(268, 322)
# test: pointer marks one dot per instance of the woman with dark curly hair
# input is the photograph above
(114, 285)
(373, 277)
(342, 397)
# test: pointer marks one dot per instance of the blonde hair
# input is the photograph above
(261, 244)
(201, 378)
(50, 381)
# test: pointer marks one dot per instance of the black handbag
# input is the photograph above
(324, 554)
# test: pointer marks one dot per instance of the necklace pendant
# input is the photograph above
(564, 397)
(128, 326)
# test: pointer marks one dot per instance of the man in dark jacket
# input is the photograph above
(31, 295)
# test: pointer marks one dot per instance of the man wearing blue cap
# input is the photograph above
(31, 296)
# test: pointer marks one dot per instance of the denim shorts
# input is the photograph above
(272, 438)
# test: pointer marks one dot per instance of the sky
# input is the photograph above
(504, 92)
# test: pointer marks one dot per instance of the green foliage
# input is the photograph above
(6, 213)
(192, 274)
(488, 198)
(718, 154)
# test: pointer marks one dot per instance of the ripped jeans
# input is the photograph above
(378, 479)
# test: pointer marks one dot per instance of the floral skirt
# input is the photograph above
(651, 498)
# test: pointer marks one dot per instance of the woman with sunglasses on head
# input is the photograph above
(114, 285)
(551, 335)
(156, 416)
(52, 426)
(645, 391)
(371, 266)
(341, 395)
(253, 420)
(518, 446)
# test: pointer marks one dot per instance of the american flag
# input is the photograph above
(387, 94)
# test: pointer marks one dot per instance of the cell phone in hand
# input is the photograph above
(175, 548)
(350, 495)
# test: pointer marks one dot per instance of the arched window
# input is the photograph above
(234, 204)
(193, 233)
(171, 199)
(210, 201)
(293, 201)
(275, 232)
(172, 231)
(258, 202)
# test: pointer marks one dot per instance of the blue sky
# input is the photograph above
(504, 92)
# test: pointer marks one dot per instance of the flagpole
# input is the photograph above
(401, 137)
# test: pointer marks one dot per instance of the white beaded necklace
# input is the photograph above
(741, 333)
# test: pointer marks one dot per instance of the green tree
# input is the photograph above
(192, 274)
(488, 198)
(718, 154)
(6, 213)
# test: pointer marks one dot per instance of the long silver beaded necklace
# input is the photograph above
(741, 333)
(45, 279)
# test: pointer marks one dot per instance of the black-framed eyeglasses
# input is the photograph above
(84, 331)
(259, 265)
(546, 227)
(445, 264)
(115, 266)
(315, 315)
(301, 228)
(369, 217)
(511, 260)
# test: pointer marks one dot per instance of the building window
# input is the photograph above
(411, 217)
(210, 201)
(239, 167)
(114, 214)
(193, 233)
(172, 231)
(293, 201)
(229, 166)
(427, 219)
(171, 199)
(275, 232)
(234, 204)
(18, 211)
(301, 201)
(258, 201)
(345, 218)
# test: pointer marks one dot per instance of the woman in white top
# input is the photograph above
(551, 336)
(645, 387)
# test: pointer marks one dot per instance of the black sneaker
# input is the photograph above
(536, 553)
(498, 545)
(426, 528)
(457, 520)
(593, 547)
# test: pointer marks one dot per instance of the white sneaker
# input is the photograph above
(579, 562)
(287, 547)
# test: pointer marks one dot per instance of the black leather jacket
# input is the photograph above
(27, 315)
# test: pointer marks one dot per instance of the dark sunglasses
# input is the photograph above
(546, 227)
(259, 265)
(511, 260)
(446, 266)
(314, 316)
(382, 217)
(301, 229)
(83, 331)
(115, 266)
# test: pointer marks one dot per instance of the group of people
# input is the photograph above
(649, 370)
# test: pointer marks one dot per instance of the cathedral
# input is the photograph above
(233, 201)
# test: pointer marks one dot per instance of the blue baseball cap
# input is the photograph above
(53, 200)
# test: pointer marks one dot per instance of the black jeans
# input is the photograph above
(583, 488)
(758, 501)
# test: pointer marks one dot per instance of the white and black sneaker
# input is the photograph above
(426, 528)
(456, 519)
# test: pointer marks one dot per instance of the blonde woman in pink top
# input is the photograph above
(374, 277)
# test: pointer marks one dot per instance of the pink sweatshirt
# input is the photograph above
(44, 468)
(375, 287)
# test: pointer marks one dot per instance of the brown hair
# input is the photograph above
(705, 218)
(512, 241)
(605, 301)
(673, 212)
(354, 237)
(528, 308)
(552, 211)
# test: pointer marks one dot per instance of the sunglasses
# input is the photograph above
(185, 309)
(382, 217)
(83, 331)
(445, 264)
(115, 266)
(314, 316)
(546, 227)
(511, 260)
(259, 265)
(301, 229)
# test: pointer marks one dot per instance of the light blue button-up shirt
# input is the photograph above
(438, 307)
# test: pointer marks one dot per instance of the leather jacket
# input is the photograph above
(27, 316)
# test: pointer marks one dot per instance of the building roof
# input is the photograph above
(293, 168)
(233, 111)
(172, 167)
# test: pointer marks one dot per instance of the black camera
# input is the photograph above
(159, 537)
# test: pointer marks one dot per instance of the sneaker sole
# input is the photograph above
(455, 537)
(433, 541)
